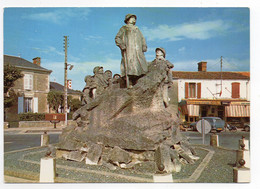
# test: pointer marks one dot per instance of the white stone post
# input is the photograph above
(47, 169)
(246, 142)
(45, 138)
(214, 140)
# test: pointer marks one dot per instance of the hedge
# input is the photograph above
(32, 116)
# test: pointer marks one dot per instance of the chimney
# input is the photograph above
(37, 61)
(69, 84)
(202, 66)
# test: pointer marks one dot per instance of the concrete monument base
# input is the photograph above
(241, 174)
(163, 178)
(47, 169)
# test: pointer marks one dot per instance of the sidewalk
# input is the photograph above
(25, 130)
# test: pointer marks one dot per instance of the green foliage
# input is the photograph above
(55, 99)
(32, 116)
(74, 105)
(10, 99)
(70, 116)
(11, 74)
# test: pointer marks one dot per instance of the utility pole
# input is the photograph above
(221, 74)
(65, 80)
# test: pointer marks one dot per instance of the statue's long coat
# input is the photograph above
(132, 44)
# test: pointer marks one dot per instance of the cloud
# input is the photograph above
(48, 50)
(92, 37)
(58, 16)
(198, 30)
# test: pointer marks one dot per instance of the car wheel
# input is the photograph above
(247, 129)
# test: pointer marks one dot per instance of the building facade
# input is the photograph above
(214, 94)
(31, 90)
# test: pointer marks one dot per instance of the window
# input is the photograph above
(28, 81)
(28, 105)
(192, 90)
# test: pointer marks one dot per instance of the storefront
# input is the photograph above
(233, 111)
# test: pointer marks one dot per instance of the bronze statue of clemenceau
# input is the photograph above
(120, 126)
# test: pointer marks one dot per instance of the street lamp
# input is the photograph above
(65, 80)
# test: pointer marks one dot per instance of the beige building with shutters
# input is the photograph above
(213, 94)
(31, 90)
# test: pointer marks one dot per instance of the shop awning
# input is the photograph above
(237, 111)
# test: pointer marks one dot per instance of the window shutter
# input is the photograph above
(235, 90)
(26, 81)
(31, 82)
(35, 105)
(198, 90)
(186, 90)
(20, 105)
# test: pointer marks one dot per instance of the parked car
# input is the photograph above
(247, 127)
(216, 124)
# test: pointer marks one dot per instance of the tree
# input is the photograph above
(74, 104)
(11, 74)
(55, 99)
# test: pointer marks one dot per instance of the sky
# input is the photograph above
(189, 35)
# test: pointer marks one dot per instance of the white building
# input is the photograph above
(221, 94)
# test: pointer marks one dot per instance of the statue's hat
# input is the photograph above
(128, 16)
(161, 49)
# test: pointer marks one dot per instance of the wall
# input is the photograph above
(23, 124)
(208, 86)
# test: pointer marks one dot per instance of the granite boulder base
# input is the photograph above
(134, 120)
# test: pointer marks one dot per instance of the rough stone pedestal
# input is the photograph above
(163, 178)
(214, 140)
(245, 155)
(241, 174)
(48, 169)
(45, 139)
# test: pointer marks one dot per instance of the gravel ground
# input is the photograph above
(219, 169)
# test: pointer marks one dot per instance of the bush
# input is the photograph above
(32, 116)
(70, 116)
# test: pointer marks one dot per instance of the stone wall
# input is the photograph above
(23, 124)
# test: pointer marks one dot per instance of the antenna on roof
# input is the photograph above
(220, 93)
